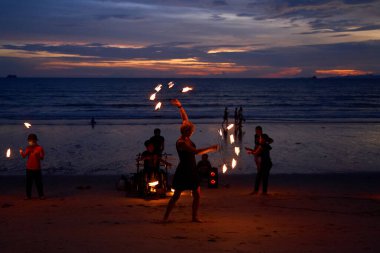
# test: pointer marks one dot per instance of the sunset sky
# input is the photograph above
(197, 38)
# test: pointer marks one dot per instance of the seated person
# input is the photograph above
(151, 162)
(204, 166)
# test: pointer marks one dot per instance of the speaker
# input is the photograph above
(213, 178)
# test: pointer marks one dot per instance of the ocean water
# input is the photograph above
(319, 126)
(263, 100)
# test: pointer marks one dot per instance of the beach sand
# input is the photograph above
(303, 213)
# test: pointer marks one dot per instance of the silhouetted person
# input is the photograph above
(263, 161)
(186, 176)
(225, 116)
(93, 122)
(239, 126)
(204, 166)
(236, 122)
(35, 154)
(158, 141)
(151, 161)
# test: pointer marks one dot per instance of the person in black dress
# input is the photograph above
(186, 176)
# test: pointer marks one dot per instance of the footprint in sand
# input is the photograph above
(178, 237)
(6, 205)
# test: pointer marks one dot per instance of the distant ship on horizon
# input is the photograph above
(11, 76)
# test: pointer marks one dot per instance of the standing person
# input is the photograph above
(93, 122)
(240, 122)
(186, 176)
(158, 142)
(236, 118)
(225, 116)
(263, 161)
(35, 154)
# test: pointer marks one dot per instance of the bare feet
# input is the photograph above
(254, 193)
(197, 220)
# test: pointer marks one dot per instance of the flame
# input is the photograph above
(232, 139)
(8, 152)
(158, 87)
(186, 89)
(230, 126)
(172, 190)
(152, 97)
(171, 85)
(153, 184)
(220, 132)
(237, 151)
(233, 163)
(224, 168)
(27, 125)
(158, 106)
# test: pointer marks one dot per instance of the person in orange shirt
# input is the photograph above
(35, 154)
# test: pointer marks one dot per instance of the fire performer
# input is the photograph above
(263, 161)
(186, 176)
(35, 154)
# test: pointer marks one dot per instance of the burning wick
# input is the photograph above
(152, 184)
(186, 89)
(158, 106)
(152, 97)
(170, 85)
(27, 125)
(8, 153)
(232, 139)
(224, 168)
(158, 87)
(230, 126)
(237, 151)
(233, 163)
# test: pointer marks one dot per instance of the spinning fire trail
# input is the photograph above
(159, 104)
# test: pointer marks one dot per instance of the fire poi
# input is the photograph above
(186, 89)
(155, 96)
(8, 153)
(158, 106)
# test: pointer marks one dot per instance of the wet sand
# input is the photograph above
(303, 213)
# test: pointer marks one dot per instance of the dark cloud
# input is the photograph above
(360, 55)
(119, 16)
(219, 3)
(216, 17)
(358, 1)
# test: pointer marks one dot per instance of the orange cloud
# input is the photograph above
(342, 72)
(229, 50)
(37, 54)
(187, 66)
(285, 72)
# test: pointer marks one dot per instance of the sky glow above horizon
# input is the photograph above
(210, 38)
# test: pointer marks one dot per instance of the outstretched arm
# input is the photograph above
(255, 151)
(182, 111)
(184, 146)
